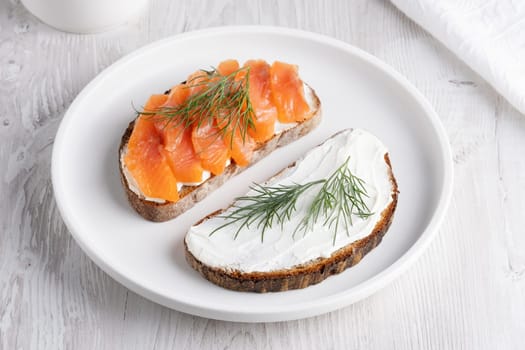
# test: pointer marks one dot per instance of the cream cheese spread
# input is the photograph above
(280, 250)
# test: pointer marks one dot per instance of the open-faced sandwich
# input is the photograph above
(187, 142)
(314, 219)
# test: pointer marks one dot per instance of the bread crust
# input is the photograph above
(190, 195)
(301, 276)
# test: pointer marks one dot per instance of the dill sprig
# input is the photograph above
(221, 98)
(269, 205)
(340, 196)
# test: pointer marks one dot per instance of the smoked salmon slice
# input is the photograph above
(196, 82)
(210, 147)
(176, 138)
(288, 93)
(227, 67)
(241, 146)
(261, 100)
(177, 96)
(170, 129)
(154, 103)
(146, 160)
(241, 150)
(183, 160)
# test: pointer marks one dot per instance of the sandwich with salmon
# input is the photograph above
(187, 142)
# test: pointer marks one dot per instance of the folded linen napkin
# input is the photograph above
(488, 35)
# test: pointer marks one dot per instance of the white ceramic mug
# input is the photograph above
(85, 16)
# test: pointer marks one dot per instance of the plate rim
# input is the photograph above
(297, 311)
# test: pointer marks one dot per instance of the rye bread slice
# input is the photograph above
(301, 276)
(190, 195)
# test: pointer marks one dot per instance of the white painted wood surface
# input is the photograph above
(466, 292)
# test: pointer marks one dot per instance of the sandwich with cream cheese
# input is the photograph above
(314, 219)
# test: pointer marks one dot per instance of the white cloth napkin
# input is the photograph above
(488, 35)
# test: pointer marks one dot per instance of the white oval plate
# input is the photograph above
(356, 90)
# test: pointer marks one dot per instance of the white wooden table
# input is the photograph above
(466, 292)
